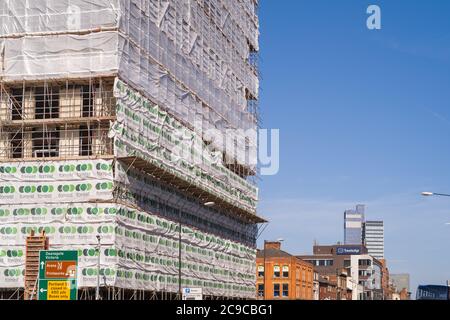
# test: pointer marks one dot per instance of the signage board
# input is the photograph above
(192, 294)
(348, 251)
(58, 275)
(57, 290)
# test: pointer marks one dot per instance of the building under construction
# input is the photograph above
(112, 117)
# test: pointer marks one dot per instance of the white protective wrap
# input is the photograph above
(60, 56)
(21, 17)
(144, 130)
(195, 65)
(139, 249)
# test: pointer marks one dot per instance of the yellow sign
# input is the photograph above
(58, 290)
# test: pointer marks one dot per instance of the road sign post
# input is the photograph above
(58, 275)
(192, 294)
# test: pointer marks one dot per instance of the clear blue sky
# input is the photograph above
(364, 117)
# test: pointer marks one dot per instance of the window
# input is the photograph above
(88, 100)
(16, 145)
(47, 103)
(285, 290)
(45, 143)
(276, 271)
(260, 271)
(17, 104)
(365, 262)
(276, 290)
(260, 290)
(85, 141)
(321, 263)
(347, 263)
(285, 271)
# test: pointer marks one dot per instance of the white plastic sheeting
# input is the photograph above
(20, 17)
(68, 225)
(173, 51)
(60, 56)
(55, 171)
(190, 57)
(146, 131)
(221, 267)
(52, 196)
(139, 249)
(144, 192)
(26, 183)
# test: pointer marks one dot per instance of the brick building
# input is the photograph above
(316, 286)
(385, 280)
(351, 269)
(327, 289)
(405, 294)
(281, 275)
(342, 282)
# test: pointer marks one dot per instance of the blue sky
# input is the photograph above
(364, 117)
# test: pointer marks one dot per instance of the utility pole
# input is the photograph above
(264, 279)
(179, 255)
(97, 291)
(206, 204)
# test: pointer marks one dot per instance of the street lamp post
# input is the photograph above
(207, 204)
(97, 291)
(264, 271)
(430, 194)
(179, 254)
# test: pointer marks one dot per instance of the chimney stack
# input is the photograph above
(272, 245)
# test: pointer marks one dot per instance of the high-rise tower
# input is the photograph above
(373, 238)
(353, 225)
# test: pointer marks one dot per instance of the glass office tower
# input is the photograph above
(353, 225)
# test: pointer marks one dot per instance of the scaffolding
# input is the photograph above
(56, 120)
(196, 59)
(110, 293)
(96, 159)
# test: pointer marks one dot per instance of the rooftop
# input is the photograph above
(273, 253)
